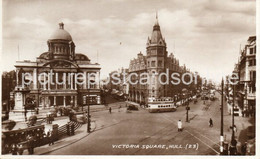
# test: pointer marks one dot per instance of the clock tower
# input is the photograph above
(156, 61)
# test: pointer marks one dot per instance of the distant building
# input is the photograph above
(123, 86)
(8, 85)
(62, 60)
(155, 62)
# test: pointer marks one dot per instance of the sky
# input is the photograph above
(205, 35)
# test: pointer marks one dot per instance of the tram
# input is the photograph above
(164, 104)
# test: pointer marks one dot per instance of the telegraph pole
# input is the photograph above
(222, 124)
(187, 113)
(88, 113)
(233, 148)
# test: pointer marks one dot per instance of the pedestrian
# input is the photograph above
(179, 125)
(210, 122)
(51, 138)
(70, 115)
(243, 148)
(44, 134)
(119, 108)
(235, 128)
(68, 128)
(110, 110)
(20, 149)
(246, 112)
(51, 118)
(30, 144)
(14, 149)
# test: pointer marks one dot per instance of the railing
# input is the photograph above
(63, 129)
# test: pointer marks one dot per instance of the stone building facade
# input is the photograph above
(53, 75)
(155, 62)
(246, 68)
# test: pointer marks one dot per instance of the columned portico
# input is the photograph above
(71, 81)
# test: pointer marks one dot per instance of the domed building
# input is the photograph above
(59, 76)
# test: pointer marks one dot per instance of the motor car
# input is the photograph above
(204, 97)
(132, 107)
(212, 97)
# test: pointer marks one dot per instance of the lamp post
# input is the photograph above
(221, 128)
(88, 114)
(246, 103)
(187, 111)
(233, 141)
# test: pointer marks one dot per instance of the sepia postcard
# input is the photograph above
(129, 78)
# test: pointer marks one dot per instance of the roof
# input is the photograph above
(156, 37)
(61, 34)
(251, 38)
(82, 57)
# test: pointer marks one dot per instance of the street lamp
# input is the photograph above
(245, 103)
(233, 141)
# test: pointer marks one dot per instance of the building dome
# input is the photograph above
(61, 34)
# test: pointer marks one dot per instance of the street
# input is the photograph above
(142, 133)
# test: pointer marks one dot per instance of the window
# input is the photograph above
(252, 75)
(148, 63)
(252, 62)
(153, 64)
(160, 50)
(251, 51)
(159, 63)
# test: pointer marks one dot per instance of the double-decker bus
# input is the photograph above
(161, 104)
